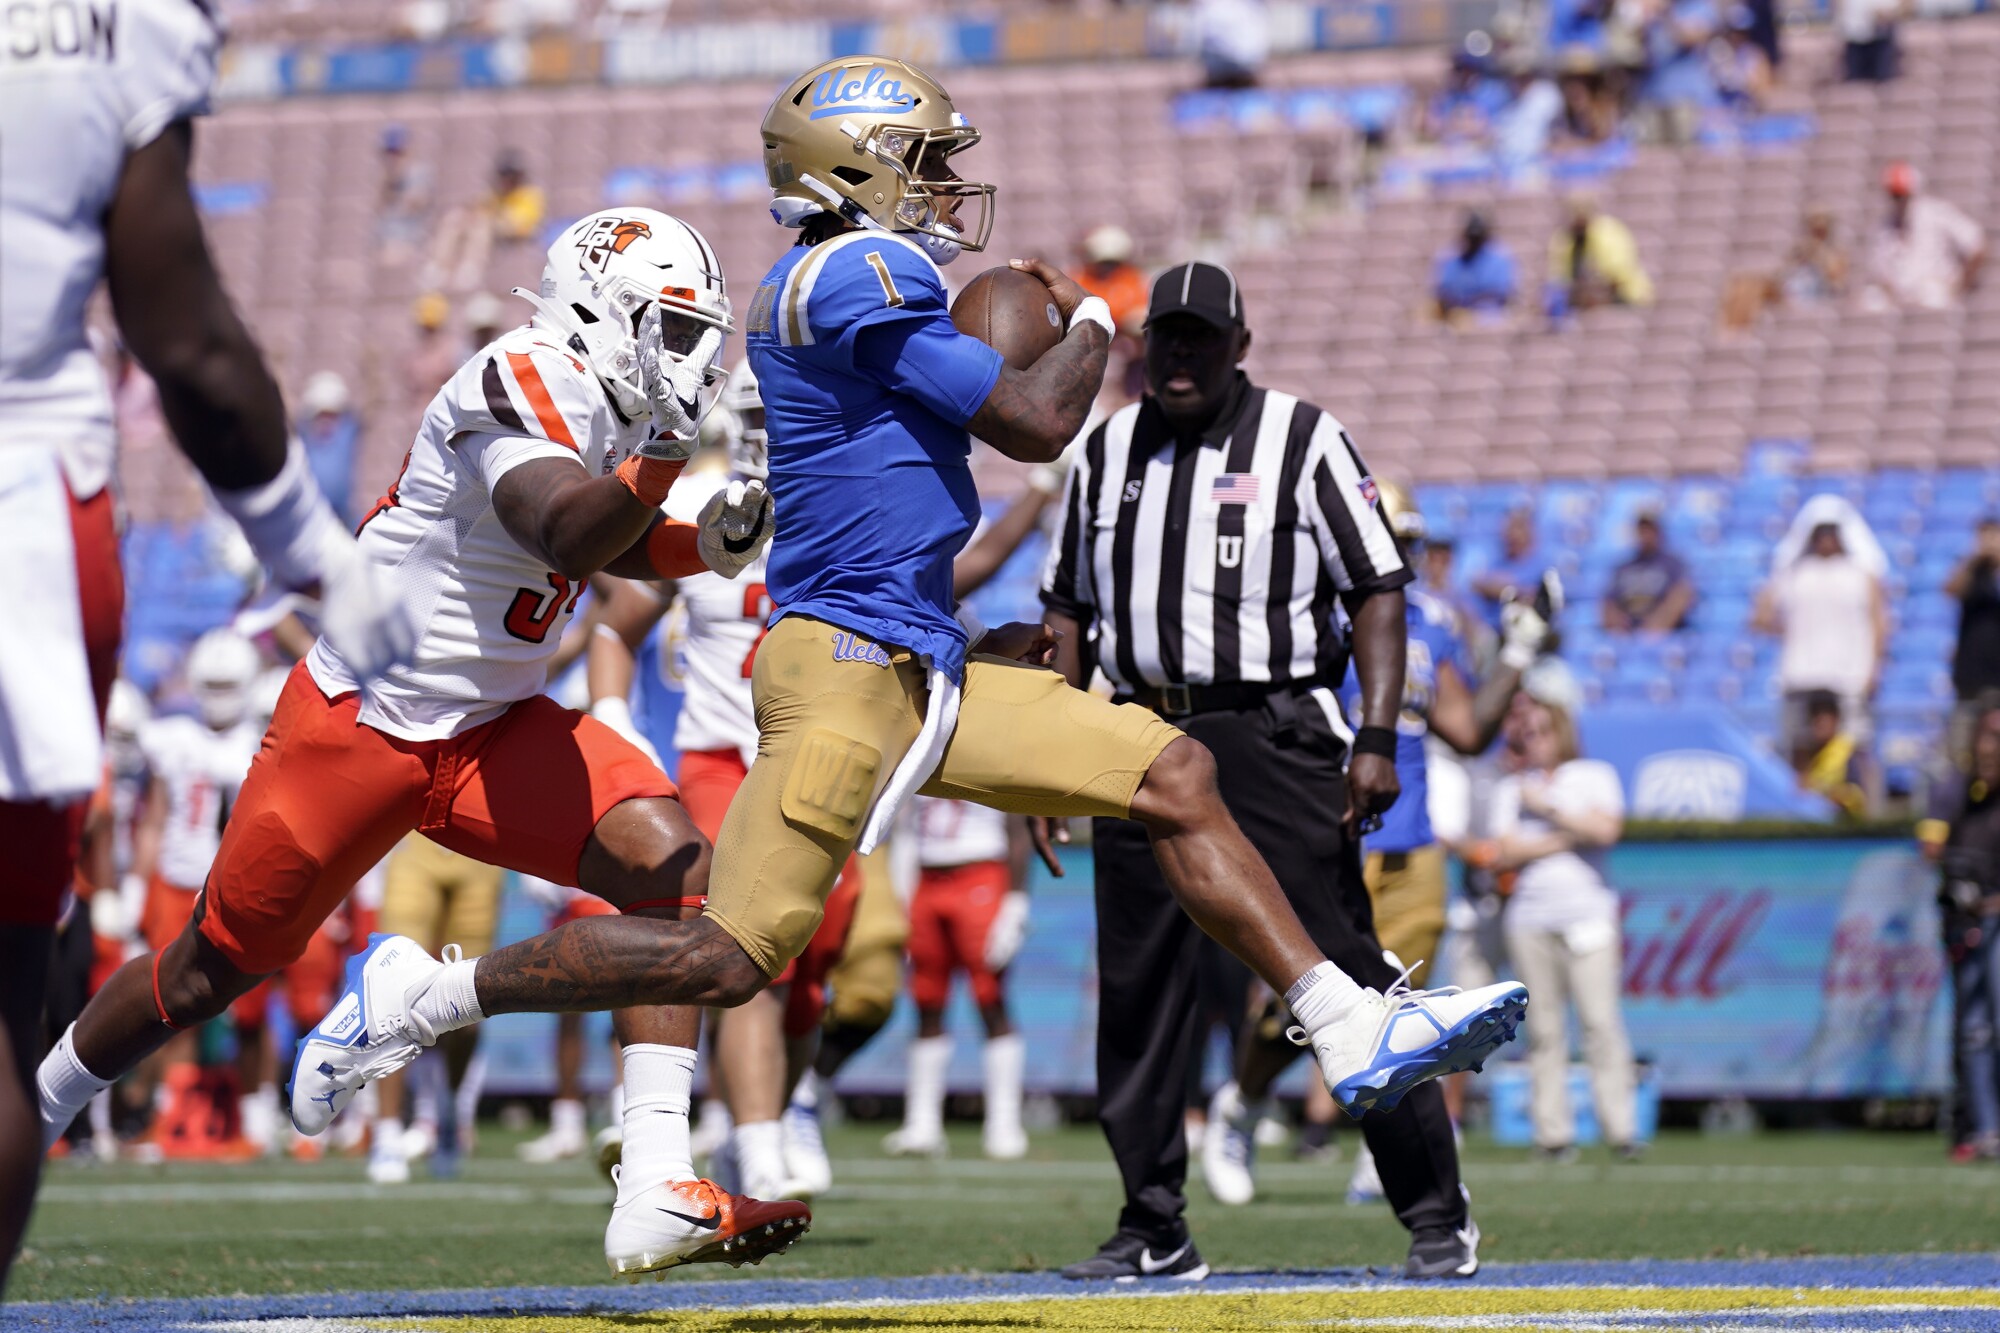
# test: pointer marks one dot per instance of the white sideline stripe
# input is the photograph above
(299, 1326)
(341, 1191)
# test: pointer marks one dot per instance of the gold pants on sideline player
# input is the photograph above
(1408, 891)
(834, 719)
(864, 984)
(438, 897)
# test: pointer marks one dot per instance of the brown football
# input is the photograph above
(1010, 311)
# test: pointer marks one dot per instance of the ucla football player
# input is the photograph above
(870, 686)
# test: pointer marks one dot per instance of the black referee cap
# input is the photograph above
(1206, 291)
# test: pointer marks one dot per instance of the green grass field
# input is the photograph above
(179, 1230)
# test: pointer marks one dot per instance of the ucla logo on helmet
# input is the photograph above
(835, 94)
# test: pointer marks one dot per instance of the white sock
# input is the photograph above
(1005, 1057)
(469, 1090)
(566, 1118)
(923, 1108)
(452, 1001)
(1323, 997)
(659, 1088)
(388, 1140)
(66, 1087)
(100, 1119)
(259, 1110)
(806, 1095)
(616, 1104)
(760, 1157)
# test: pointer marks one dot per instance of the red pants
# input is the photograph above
(328, 797)
(949, 917)
(709, 780)
(42, 838)
(311, 981)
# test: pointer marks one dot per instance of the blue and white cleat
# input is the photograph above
(372, 1029)
(1402, 1037)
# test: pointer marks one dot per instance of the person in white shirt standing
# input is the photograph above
(1553, 823)
(1825, 602)
(96, 104)
(970, 915)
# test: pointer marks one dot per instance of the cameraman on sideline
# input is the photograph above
(1965, 841)
(1975, 663)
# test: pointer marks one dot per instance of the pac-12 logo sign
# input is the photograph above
(611, 236)
(834, 94)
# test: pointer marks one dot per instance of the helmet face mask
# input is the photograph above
(866, 139)
(221, 668)
(745, 437)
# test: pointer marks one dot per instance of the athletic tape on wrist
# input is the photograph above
(1376, 740)
(649, 478)
(1093, 310)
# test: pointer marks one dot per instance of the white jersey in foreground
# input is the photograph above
(489, 615)
(201, 770)
(958, 833)
(725, 622)
(83, 83)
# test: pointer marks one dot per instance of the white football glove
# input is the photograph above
(674, 388)
(616, 714)
(114, 913)
(736, 526)
(360, 617)
(1008, 932)
(1526, 626)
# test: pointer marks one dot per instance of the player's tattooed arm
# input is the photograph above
(1033, 414)
(613, 962)
(576, 523)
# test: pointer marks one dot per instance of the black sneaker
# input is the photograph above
(1450, 1252)
(1128, 1257)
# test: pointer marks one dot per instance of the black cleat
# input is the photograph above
(1130, 1257)
(1446, 1252)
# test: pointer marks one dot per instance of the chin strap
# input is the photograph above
(941, 249)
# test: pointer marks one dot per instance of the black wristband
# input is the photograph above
(1376, 740)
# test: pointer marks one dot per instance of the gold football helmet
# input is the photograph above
(861, 137)
(1405, 519)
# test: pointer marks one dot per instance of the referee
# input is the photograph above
(1205, 533)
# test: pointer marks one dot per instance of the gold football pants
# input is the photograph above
(439, 897)
(865, 981)
(833, 721)
(1408, 892)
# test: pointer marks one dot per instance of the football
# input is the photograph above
(1010, 311)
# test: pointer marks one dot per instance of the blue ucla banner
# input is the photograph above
(1790, 969)
(1695, 761)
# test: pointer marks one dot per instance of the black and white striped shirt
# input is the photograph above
(1217, 560)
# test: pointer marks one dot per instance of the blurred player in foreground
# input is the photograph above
(542, 461)
(863, 690)
(94, 187)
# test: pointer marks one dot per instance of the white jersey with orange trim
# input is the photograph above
(489, 615)
(958, 833)
(201, 770)
(725, 621)
(83, 83)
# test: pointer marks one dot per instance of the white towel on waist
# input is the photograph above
(940, 720)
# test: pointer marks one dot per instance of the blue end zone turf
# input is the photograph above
(1648, 1302)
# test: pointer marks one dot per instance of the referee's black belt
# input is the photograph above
(1186, 700)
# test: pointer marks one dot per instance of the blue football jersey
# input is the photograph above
(1434, 641)
(867, 387)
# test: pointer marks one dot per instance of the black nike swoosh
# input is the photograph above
(735, 547)
(710, 1223)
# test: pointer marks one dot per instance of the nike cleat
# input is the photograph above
(1445, 1252)
(1365, 1185)
(1229, 1148)
(372, 1029)
(1402, 1037)
(1129, 1257)
(806, 1164)
(698, 1222)
(907, 1142)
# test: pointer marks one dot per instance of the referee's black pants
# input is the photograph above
(1280, 769)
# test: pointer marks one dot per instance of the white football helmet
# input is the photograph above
(744, 434)
(264, 694)
(221, 668)
(127, 716)
(606, 271)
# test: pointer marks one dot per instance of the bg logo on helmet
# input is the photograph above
(610, 236)
(873, 91)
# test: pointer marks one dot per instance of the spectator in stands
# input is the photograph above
(1975, 662)
(331, 433)
(509, 216)
(1816, 270)
(1590, 105)
(1742, 70)
(1928, 254)
(485, 320)
(1826, 604)
(1235, 40)
(1108, 272)
(1553, 824)
(1681, 84)
(1522, 129)
(434, 354)
(1968, 857)
(1869, 28)
(1476, 281)
(1518, 571)
(1594, 261)
(403, 208)
(1830, 760)
(1650, 592)
(1464, 110)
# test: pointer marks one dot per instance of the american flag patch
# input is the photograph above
(1368, 490)
(1234, 488)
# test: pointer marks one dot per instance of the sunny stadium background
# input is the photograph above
(378, 173)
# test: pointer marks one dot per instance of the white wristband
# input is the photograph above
(288, 523)
(1093, 310)
(974, 627)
